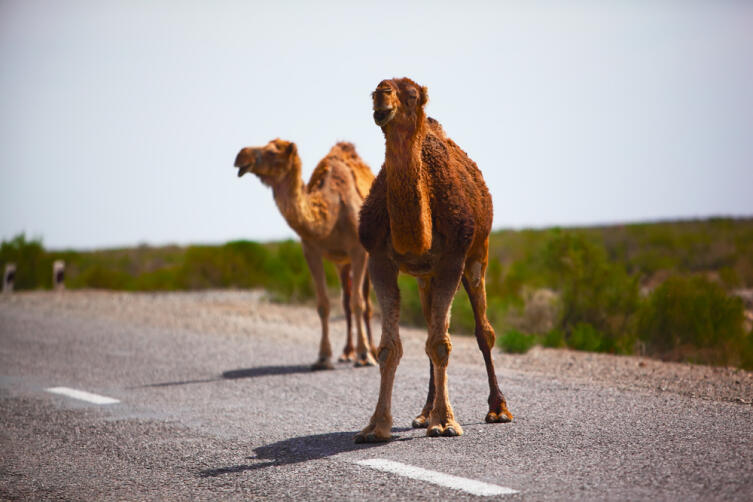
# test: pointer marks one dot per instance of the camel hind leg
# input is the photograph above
(368, 312)
(424, 292)
(364, 356)
(475, 286)
(349, 352)
(444, 284)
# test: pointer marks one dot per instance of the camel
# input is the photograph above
(324, 213)
(428, 214)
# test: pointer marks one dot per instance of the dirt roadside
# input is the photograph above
(240, 313)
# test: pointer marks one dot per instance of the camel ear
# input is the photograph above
(292, 149)
(424, 96)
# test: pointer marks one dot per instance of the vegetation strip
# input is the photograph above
(675, 290)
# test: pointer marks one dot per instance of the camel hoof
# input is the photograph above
(347, 357)
(419, 423)
(365, 360)
(434, 432)
(369, 438)
(501, 418)
(450, 432)
(322, 364)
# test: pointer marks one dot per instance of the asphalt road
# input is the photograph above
(225, 411)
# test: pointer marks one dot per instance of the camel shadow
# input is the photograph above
(259, 371)
(299, 449)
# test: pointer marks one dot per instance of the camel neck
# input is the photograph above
(290, 197)
(407, 191)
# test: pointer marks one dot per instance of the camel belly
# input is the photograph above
(336, 256)
(414, 265)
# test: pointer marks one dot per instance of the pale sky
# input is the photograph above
(120, 120)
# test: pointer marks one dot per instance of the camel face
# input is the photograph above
(401, 98)
(270, 162)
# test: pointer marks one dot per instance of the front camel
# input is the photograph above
(324, 213)
(428, 214)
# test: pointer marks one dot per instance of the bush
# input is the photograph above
(33, 265)
(594, 292)
(586, 337)
(515, 342)
(554, 339)
(693, 319)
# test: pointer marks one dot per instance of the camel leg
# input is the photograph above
(367, 312)
(444, 285)
(349, 352)
(473, 281)
(314, 260)
(384, 275)
(363, 348)
(424, 291)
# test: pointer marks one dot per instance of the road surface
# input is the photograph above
(215, 401)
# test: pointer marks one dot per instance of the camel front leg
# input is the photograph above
(367, 312)
(363, 348)
(314, 260)
(424, 293)
(438, 346)
(383, 274)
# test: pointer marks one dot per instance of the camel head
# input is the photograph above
(399, 101)
(271, 163)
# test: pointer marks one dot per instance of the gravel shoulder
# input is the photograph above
(238, 313)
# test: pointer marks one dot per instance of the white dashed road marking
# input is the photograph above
(446, 480)
(82, 395)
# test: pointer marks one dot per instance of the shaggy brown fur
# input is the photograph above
(428, 214)
(324, 214)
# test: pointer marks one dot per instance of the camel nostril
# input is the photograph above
(381, 115)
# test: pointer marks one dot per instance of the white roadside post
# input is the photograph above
(9, 277)
(58, 275)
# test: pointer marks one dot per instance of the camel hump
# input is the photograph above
(346, 154)
(345, 146)
(362, 175)
(436, 127)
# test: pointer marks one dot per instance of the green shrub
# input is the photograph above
(593, 290)
(33, 265)
(693, 319)
(554, 339)
(515, 342)
(586, 337)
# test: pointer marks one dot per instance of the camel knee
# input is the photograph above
(486, 335)
(322, 309)
(357, 305)
(367, 308)
(390, 355)
(439, 351)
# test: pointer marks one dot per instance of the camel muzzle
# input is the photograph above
(246, 160)
(381, 117)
